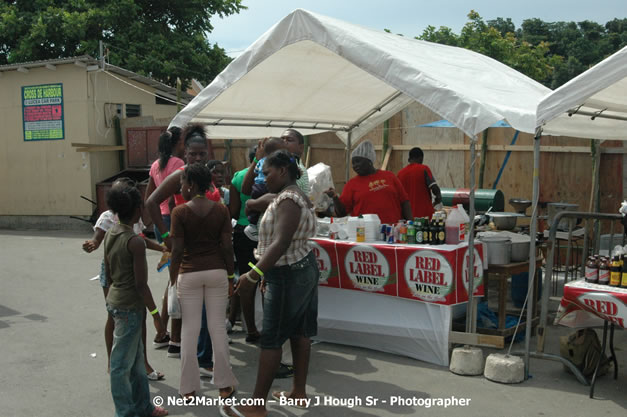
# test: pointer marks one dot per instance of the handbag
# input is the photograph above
(174, 306)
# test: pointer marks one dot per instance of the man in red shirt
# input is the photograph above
(419, 183)
(372, 191)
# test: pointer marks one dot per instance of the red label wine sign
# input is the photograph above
(477, 267)
(429, 276)
(324, 262)
(367, 268)
(606, 306)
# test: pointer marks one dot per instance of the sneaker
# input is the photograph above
(174, 351)
(206, 372)
(165, 342)
(251, 232)
(285, 371)
(229, 326)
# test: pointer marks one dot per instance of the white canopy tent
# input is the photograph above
(592, 105)
(315, 73)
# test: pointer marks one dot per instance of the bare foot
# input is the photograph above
(227, 392)
(296, 399)
(246, 411)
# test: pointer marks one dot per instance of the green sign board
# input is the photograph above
(42, 112)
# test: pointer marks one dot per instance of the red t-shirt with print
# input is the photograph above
(380, 193)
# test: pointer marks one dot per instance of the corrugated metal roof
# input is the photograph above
(88, 60)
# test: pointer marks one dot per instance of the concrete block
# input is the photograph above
(467, 360)
(505, 369)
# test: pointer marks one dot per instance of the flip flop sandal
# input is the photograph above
(231, 394)
(155, 376)
(234, 410)
(277, 395)
(159, 412)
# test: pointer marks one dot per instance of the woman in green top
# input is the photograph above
(129, 295)
(243, 248)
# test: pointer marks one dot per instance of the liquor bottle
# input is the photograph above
(426, 234)
(592, 270)
(441, 232)
(419, 231)
(411, 233)
(604, 271)
(615, 272)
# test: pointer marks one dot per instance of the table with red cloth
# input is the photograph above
(585, 304)
(394, 298)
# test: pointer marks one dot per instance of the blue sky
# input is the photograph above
(409, 17)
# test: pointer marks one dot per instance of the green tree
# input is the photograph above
(162, 39)
(498, 40)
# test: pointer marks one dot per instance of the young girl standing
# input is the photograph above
(127, 274)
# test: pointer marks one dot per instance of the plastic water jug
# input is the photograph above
(456, 225)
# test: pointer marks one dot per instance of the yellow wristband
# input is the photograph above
(155, 311)
(231, 276)
(254, 268)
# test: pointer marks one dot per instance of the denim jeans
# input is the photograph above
(204, 348)
(290, 305)
(167, 221)
(129, 383)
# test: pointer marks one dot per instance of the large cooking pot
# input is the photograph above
(520, 251)
(499, 249)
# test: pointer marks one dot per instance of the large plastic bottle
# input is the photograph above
(455, 227)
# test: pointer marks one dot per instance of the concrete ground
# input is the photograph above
(53, 357)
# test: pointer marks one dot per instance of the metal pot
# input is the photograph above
(499, 249)
(520, 251)
(504, 220)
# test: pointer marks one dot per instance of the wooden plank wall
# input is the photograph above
(565, 176)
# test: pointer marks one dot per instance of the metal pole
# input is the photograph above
(471, 322)
(101, 51)
(348, 155)
(533, 227)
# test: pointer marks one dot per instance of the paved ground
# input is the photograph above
(53, 357)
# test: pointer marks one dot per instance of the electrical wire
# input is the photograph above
(145, 91)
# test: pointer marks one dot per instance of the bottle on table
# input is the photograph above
(604, 271)
(615, 272)
(426, 231)
(411, 232)
(361, 229)
(419, 231)
(592, 270)
(402, 233)
(441, 232)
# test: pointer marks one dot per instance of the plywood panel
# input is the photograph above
(447, 167)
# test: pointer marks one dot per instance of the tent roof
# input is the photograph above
(602, 88)
(314, 72)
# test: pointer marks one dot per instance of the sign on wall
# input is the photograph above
(42, 112)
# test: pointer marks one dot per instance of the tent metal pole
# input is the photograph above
(348, 155)
(471, 322)
(533, 227)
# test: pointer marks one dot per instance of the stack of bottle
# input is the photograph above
(608, 271)
(421, 230)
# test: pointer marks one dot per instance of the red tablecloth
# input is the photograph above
(432, 274)
(603, 301)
